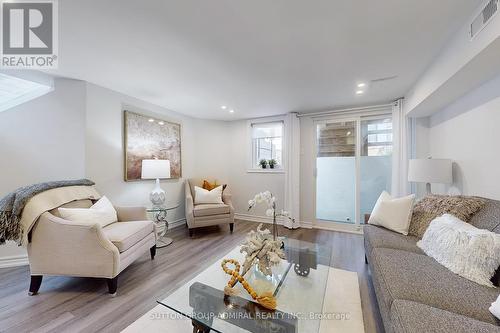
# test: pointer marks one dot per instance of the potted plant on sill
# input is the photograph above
(263, 163)
(272, 163)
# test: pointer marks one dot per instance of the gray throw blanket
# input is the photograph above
(12, 205)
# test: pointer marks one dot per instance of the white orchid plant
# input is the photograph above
(268, 198)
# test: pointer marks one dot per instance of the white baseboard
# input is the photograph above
(257, 218)
(340, 227)
(306, 225)
(267, 219)
(177, 223)
(171, 224)
(14, 261)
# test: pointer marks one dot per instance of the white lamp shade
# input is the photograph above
(430, 170)
(155, 169)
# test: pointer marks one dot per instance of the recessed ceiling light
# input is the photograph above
(361, 85)
(231, 111)
(359, 92)
(151, 120)
(223, 107)
(161, 123)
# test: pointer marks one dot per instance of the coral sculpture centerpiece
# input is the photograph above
(260, 248)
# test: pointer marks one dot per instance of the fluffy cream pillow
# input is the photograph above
(495, 308)
(462, 248)
(202, 196)
(393, 213)
(102, 211)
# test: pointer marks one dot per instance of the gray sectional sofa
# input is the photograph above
(416, 294)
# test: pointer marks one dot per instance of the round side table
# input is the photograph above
(160, 218)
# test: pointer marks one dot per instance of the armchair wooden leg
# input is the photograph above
(366, 260)
(231, 227)
(190, 232)
(113, 285)
(36, 281)
(153, 252)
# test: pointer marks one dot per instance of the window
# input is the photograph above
(376, 137)
(15, 91)
(267, 143)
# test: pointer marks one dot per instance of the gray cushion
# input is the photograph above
(378, 237)
(415, 277)
(488, 217)
(412, 317)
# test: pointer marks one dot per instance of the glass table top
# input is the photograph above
(298, 283)
(161, 209)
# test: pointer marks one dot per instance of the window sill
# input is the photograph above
(265, 171)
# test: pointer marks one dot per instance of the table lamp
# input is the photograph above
(430, 170)
(156, 169)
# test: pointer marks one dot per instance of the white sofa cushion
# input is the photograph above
(124, 235)
(462, 248)
(495, 308)
(202, 196)
(210, 209)
(393, 213)
(102, 212)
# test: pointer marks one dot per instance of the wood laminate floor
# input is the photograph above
(82, 304)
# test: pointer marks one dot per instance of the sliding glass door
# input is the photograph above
(353, 166)
(375, 162)
(336, 171)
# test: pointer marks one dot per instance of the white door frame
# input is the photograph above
(358, 117)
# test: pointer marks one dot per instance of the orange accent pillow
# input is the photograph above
(210, 186)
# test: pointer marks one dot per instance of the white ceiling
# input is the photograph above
(260, 57)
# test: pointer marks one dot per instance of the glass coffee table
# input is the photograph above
(298, 283)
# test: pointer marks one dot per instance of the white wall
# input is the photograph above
(104, 149)
(456, 54)
(244, 185)
(41, 140)
(422, 149)
(467, 132)
(77, 131)
(212, 159)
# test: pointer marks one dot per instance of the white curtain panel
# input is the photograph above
(292, 170)
(402, 143)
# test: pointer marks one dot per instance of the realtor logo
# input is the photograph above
(29, 34)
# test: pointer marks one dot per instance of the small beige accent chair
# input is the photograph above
(61, 247)
(204, 215)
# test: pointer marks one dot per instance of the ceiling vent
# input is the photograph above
(382, 79)
(483, 18)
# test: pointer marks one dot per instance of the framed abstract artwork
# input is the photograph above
(149, 137)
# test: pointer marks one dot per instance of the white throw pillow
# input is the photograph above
(495, 308)
(393, 213)
(462, 248)
(202, 196)
(102, 211)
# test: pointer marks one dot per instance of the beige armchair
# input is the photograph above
(61, 247)
(207, 214)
